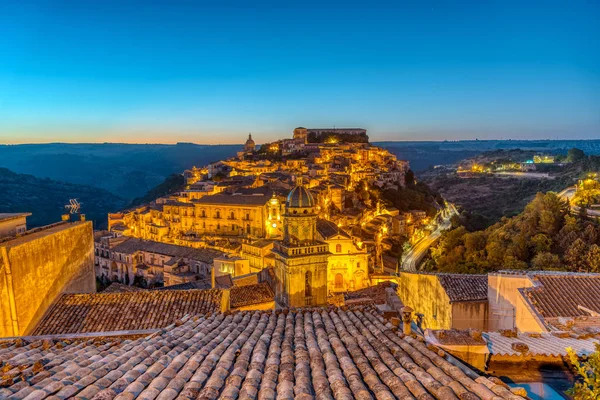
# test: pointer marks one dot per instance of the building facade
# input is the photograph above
(300, 258)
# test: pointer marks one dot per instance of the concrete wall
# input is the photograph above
(424, 294)
(470, 314)
(507, 309)
(38, 267)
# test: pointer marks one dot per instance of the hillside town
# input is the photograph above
(276, 275)
(304, 201)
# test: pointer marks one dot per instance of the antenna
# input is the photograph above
(74, 206)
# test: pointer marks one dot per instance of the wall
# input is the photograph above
(424, 294)
(470, 314)
(38, 267)
(507, 309)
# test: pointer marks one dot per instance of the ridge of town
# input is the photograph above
(278, 274)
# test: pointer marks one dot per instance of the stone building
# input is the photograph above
(122, 259)
(542, 301)
(39, 265)
(446, 301)
(348, 264)
(250, 213)
(300, 258)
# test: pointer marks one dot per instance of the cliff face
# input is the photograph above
(37, 268)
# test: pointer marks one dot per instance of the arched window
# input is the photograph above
(232, 215)
(339, 281)
(203, 214)
(308, 284)
(338, 248)
(218, 214)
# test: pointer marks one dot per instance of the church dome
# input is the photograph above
(300, 197)
(250, 141)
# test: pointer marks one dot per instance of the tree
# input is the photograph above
(588, 385)
(546, 260)
(593, 258)
(409, 177)
(576, 256)
(540, 243)
(575, 154)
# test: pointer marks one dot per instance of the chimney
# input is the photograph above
(65, 217)
(82, 217)
(406, 319)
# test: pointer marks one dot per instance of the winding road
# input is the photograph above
(568, 194)
(418, 251)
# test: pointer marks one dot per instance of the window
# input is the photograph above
(203, 214)
(232, 216)
(339, 281)
(308, 284)
(218, 226)
(247, 216)
(218, 214)
(338, 248)
(248, 228)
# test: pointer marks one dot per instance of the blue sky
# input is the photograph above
(143, 71)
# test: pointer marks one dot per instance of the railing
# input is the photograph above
(308, 300)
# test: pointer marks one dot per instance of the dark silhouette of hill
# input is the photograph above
(173, 183)
(127, 170)
(46, 198)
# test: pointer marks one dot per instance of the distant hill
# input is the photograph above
(126, 170)
(423, 155)
(173, 183)
(488, 198)
(45, 198)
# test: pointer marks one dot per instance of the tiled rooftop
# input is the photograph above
(241, 296)
(235, 199)
(329, 229)
(563, 295)
(464, 287)
(107, 312)
(132, 245)
(312, 353)
(547, 344)
(376, 294)
(116, 287)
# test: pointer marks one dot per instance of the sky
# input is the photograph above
(211, 72)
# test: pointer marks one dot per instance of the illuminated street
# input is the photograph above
(418, 251)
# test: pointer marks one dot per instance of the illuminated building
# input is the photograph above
(300, 258)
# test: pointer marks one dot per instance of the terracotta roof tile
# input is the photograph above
(323, 353)
(375, 294)
(107, 312)
(241, 296)
(464, 287)
(564, 295)
(132, 245)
